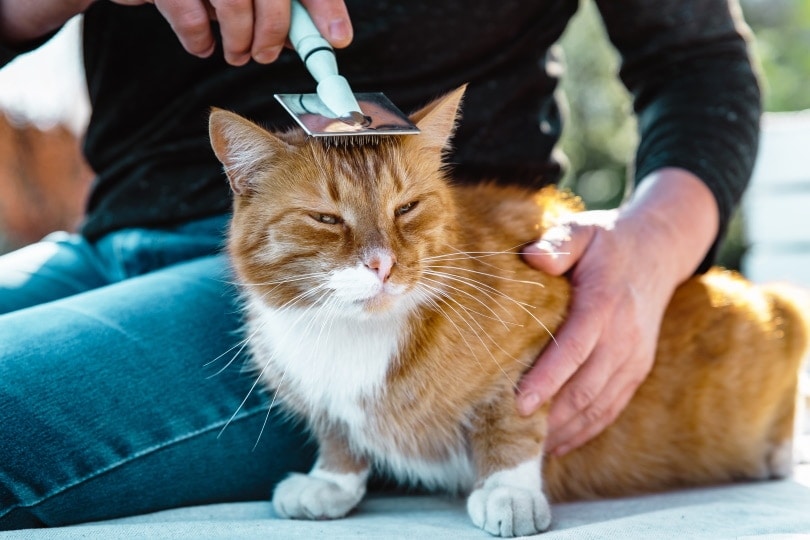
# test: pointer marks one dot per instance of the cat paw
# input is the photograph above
(780, 460)
(509, 510)
(303, 496)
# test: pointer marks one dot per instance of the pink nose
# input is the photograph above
(381, 263)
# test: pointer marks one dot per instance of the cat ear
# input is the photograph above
(437, 120)
(243, 148)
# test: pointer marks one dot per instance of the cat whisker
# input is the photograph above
(269, 409)
(284, 373)
(522, 305)
(431, 300)
(247, 396)
(523, 281)
(299, 297)
(476, 254)
(269, 361)
(478, 285)
(479, 256)
(325, 311)
(467, 310)
(478, 336)
(470, 295)
(239, 346)
(298, 277)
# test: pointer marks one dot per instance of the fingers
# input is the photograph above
(591, 380)
(332, 19)
(272, 24)
(190, 21)
(236, 23)
(250, 28)
(598, 358)
(593, 398)
(563, 244)
(562, 357)
(559, 248)
(600, 375)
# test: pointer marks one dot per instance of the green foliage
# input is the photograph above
(600, 130)
(782, 50)
(600, 133)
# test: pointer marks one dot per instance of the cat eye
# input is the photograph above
(329, 219)
(405, 208)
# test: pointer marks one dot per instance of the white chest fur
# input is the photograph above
(330, 360)
(334, 362)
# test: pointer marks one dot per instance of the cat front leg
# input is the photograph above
(510, 502)
(334, 487)
(508, 499)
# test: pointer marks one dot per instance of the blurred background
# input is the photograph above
(600, 134)
(43, 181)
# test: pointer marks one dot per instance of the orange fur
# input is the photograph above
(716, 407)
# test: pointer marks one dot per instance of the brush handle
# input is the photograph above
(319, 58)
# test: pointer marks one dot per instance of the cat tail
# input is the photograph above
(791, 306)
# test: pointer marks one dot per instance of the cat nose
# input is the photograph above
(381, 264)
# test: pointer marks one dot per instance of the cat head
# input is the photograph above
(348, 227)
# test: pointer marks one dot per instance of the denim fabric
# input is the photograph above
(115, 381)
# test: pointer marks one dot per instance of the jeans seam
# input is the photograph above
(141, 453)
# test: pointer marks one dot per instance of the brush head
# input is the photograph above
(379, 116)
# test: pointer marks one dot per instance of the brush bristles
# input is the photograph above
(350, 140)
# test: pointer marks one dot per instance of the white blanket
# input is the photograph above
(764, 510)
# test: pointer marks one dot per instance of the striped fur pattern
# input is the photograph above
(391, 310)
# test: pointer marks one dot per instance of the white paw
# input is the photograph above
(303, 496)
(509, 510)
(780, 460)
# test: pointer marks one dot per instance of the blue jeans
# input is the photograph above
(115, 382)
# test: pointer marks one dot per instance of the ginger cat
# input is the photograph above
(392, 311)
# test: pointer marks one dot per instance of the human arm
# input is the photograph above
(24, 21)
(625, 265)
(249, 28)
(698, 105)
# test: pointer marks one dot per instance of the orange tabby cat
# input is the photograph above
(393, 312)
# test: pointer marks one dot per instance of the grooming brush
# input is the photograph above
(334, 110)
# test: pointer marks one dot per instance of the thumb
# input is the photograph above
(332, 19)
(558, 249)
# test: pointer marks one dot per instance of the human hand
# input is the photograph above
(250, 28)
(624, 266)
(24, 20)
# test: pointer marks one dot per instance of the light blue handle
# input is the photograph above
(304, 35)
(319, 58)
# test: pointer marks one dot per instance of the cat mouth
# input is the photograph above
(386, 299)
(358, 289)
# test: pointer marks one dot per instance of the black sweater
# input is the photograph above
(684, 61)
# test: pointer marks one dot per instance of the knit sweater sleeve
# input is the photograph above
(694, 90)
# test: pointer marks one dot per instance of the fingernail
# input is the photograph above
(528, 403)
(208, 52)
(340, 30)
(266, 56)
(240, 60)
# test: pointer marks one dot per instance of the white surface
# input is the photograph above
(46, 86)
(767, 510)
(776, 207)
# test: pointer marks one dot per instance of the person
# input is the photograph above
(121, 388)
